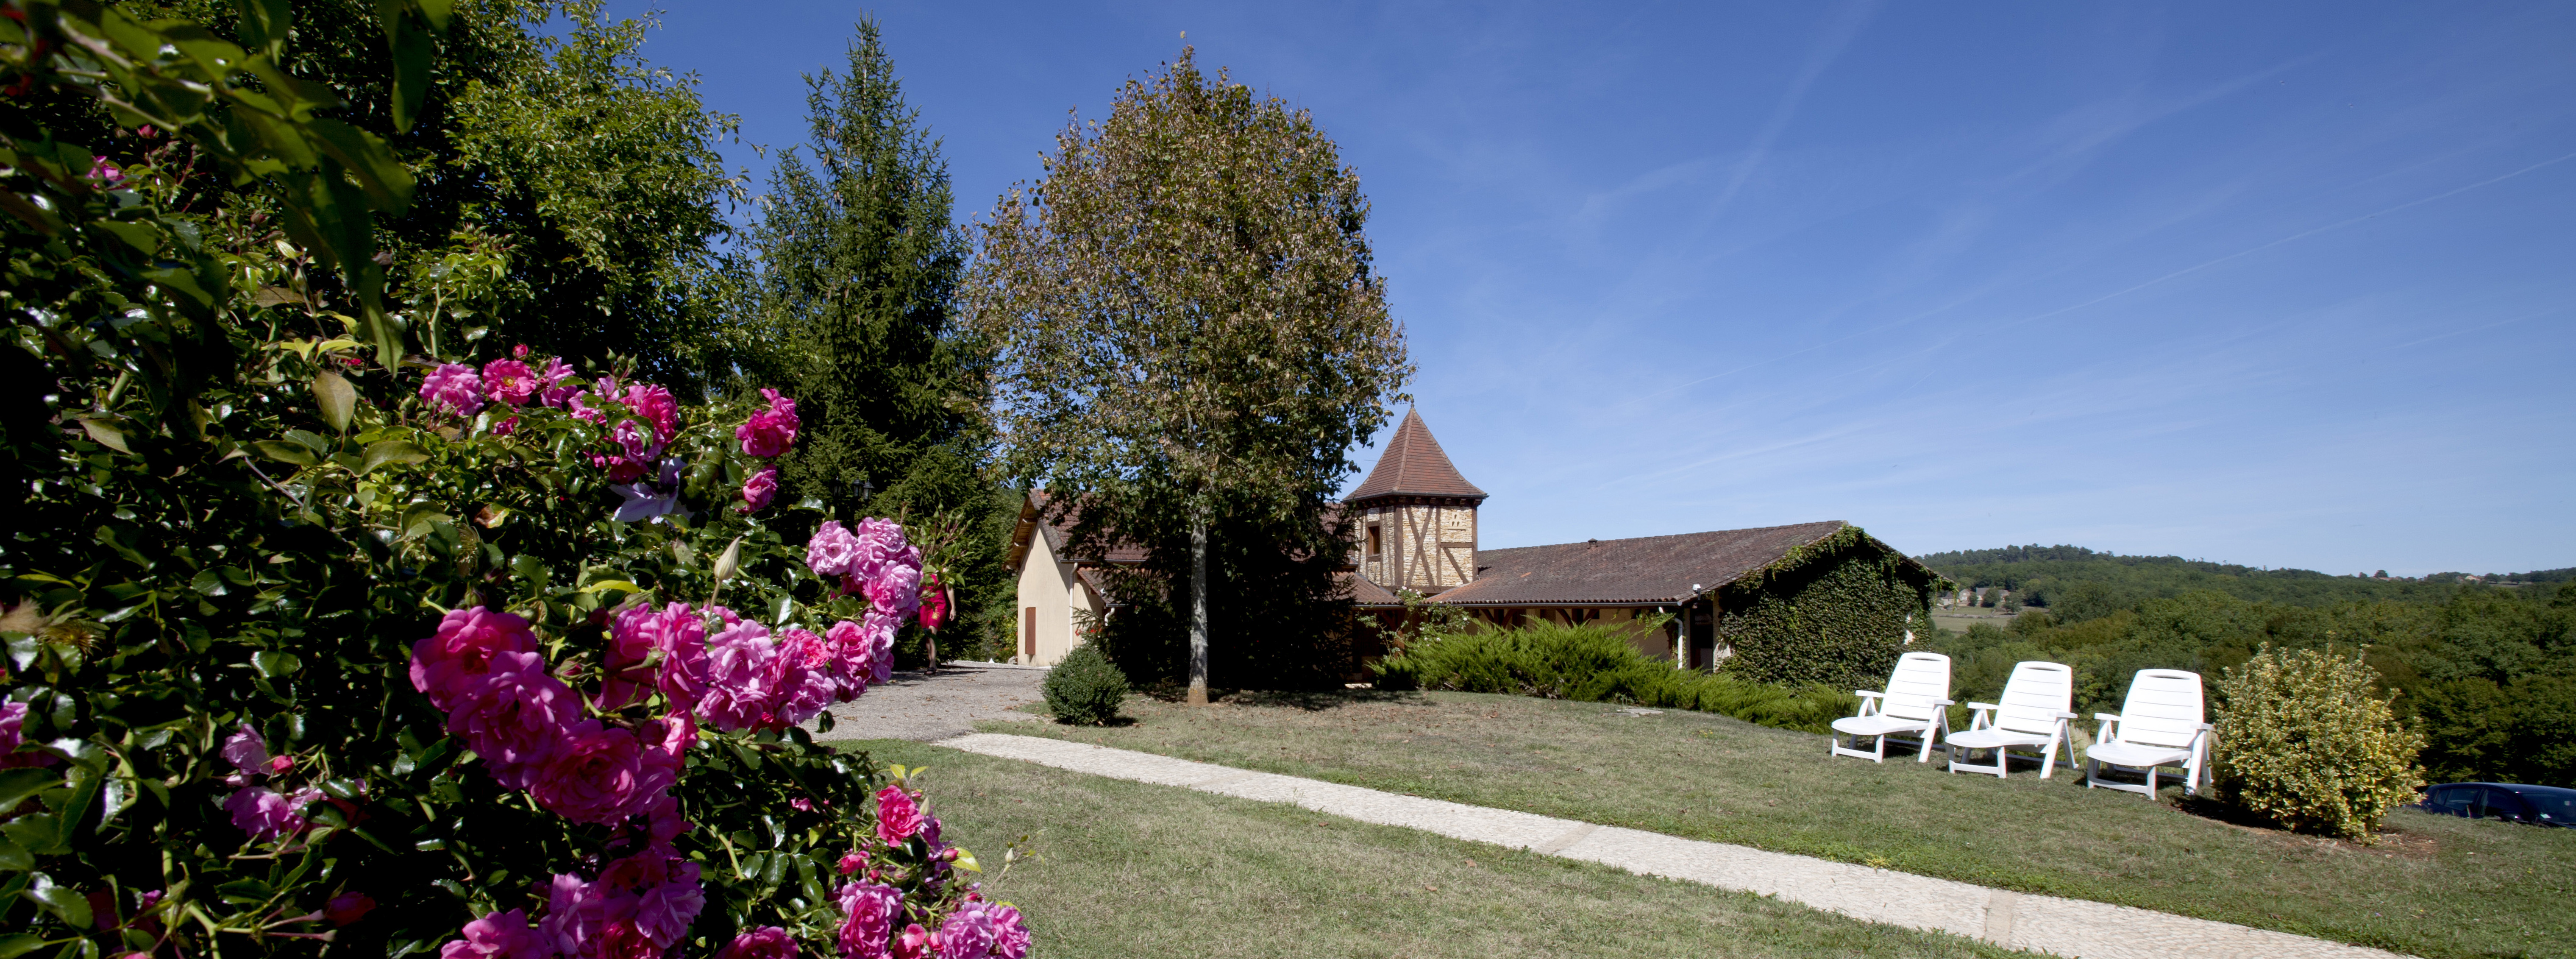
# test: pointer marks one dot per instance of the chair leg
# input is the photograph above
(2048, 758)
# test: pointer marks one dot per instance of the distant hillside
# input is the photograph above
(2078, 583)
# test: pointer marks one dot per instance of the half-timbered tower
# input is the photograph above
(1416, 516)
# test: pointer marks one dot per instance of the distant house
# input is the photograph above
(1414, 519)
(1418, 532)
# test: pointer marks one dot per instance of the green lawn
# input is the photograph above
(1125, 869)
(2436, 887)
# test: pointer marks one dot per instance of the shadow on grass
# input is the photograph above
(1310, 700)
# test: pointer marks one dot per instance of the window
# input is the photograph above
(1372, 539)
(2455, 800)
(1029, 633)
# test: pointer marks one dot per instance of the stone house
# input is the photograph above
(1414, 528)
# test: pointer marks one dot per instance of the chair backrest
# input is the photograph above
(2164, 708)
(2034, 696)
(1920, 680)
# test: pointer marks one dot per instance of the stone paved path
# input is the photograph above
(927, 706)
(2065, 927)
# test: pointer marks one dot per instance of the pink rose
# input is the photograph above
(852, 861)
(771, 431)
(757, 491)
(13, 724)
(898, 817)
(658, 893)
(446, 665)
(880, 627)
(506, 427)
(915, 943)
(515, 718)
(872, 910)
(265, 815)
(1010, 935)
(831, 550)
(500, 935)
(739, 693)
(897, 586)
(510, 381)
(621, 469)
(573, 916)
(598, 775)
(656, 406)
(636, 439)
(967, 934)
(802, 678)
(853, 659)
(766, 942)
(105, 173)
(453, 388)
(245, 750)
(580, 410)
(552, 389)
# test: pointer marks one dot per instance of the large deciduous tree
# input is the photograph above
(1191, 334)
(849, 310)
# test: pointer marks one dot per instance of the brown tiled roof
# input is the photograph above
(1034, 522)
(1365, 592)
(1651, 569)
(1413, 465)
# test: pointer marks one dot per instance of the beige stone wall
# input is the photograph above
(1049, 593)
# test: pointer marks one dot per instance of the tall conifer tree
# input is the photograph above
(858, 266)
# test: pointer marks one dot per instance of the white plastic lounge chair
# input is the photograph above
(1916, 702)
(2034, 712)
(2160, 725)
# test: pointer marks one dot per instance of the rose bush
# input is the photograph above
(317, 633)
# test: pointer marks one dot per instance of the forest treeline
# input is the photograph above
(2079, 583)
(2488, 671)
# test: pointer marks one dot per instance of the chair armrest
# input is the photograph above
(2068, 716)
(2107, 717)
(2206, 728)
(1945, 702)
(1866, 694)
(1983, 706)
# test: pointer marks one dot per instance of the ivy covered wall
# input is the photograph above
(1834, 611)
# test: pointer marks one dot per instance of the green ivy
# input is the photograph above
(1833, 611)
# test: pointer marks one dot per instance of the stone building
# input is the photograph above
(1414, 521)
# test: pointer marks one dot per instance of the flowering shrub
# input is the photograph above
(437, 654)
(2303, 739)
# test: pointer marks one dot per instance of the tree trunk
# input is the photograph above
(1198, 610)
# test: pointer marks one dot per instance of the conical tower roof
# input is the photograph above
(1414, 465)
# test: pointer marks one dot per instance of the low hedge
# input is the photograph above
(1591, 664)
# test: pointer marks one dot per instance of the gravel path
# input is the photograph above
(937, 705)
(2065, 927)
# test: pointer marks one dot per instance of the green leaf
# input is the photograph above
(337, 400)
(18, 784)
(392, 451)
(274, 663)
(140, 236)
(18, 944)
(285, 452)
(14, 857)
(38, 833)
(612, 584)
(108, 431)
(62, 901)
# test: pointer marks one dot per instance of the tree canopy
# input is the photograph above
(1189, 326)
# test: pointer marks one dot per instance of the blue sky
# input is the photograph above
(2280, 284)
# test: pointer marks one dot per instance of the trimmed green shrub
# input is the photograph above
(1085, 689)
(2303, 739)
(1592, 664)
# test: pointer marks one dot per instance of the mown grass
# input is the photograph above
(2434, 886)
(1125, 869)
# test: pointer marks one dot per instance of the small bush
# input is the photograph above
(2303, 740)
(1085, 689)
(1592, 664)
